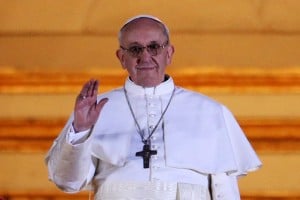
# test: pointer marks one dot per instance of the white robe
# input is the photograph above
(200, 135)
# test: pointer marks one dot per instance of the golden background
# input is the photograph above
(245, 54)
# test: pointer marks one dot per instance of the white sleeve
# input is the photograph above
(245, 157)
(224, 187)
(70, 167)
(76, 138)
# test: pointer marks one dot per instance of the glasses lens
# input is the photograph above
(135, 50)
(153, 49)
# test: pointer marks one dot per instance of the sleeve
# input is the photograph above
(224, 187)
(77, 138)
(245, 157)
(70, 166)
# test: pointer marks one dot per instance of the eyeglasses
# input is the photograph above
(153, 49)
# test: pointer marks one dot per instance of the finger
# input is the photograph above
(95, 88)
(88, 92)
(91, 87)
(81, 97)
(85, 89)
(101, 103)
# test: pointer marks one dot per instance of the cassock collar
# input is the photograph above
(165, 87)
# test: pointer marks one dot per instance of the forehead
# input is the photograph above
(143, 29)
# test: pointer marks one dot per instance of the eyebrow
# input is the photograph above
(137, 43)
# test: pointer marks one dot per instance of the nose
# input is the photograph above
(145, 56)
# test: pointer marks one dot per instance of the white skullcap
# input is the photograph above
(145, 16)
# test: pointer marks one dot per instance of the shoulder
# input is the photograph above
(194, 97)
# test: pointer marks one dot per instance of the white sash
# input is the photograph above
(154, 190)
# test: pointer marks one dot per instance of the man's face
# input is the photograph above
(145, 69)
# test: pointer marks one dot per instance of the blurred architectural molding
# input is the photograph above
(36, 135)
(202, 79)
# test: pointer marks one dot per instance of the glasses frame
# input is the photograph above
(162, 46)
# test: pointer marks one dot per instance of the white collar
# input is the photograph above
(165, 87)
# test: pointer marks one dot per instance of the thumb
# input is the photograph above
(101, 103)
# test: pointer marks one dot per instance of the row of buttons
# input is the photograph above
(154, 113)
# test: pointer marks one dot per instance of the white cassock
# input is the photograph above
(199, 145)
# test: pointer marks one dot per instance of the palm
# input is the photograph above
(87, 110)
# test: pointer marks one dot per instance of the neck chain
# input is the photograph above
(147, 140)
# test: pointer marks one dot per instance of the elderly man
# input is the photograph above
(150, 139)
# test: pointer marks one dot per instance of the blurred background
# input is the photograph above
(245, 54)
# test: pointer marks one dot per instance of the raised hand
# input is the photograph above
(87, 110)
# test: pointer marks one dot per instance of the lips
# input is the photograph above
(145, 68)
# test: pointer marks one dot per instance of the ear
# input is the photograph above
(170, 52)
(120, 56)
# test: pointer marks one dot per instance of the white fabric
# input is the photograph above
(187, 191)
(145, 16)
(205, 136)
(198, 137)
(154, 190)
(224, 187)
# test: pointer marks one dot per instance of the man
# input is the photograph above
(150, 139)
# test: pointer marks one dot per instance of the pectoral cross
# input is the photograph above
(146, 154)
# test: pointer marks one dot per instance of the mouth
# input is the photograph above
(146, 68)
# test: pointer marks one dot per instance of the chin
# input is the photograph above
(148, 81)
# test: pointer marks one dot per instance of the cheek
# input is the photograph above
(128, 63)
(164, 61)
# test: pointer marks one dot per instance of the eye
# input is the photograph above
(153, 46)
(135, 49)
